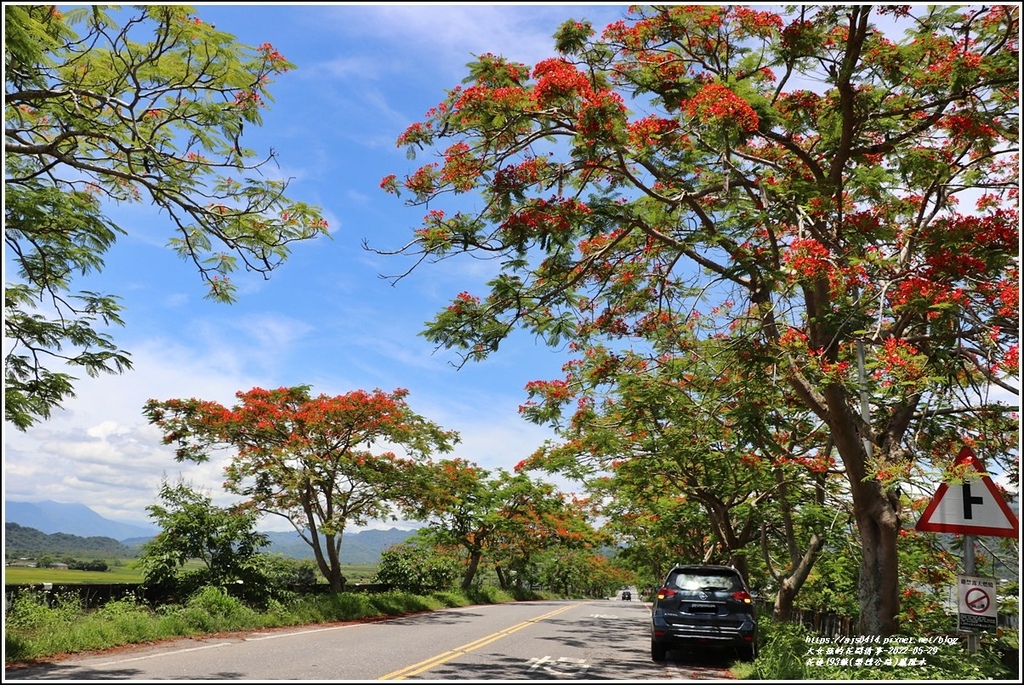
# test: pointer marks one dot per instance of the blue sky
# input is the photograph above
(365, 72)
(326, 318)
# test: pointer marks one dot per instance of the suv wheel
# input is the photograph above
(658, 651)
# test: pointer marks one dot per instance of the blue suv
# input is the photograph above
(703, 605)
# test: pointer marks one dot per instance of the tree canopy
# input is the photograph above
(841, 201)
(223, 540)
(506, 517)
(322, 463)
(104, 107)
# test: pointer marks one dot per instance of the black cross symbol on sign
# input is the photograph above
(968, 501)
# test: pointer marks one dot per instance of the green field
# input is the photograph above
(116, 574)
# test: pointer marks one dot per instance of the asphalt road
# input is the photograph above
(544, 640)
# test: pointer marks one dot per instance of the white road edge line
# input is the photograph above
(256, 638)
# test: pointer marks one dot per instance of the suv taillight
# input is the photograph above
(665, 592)
(743, 596)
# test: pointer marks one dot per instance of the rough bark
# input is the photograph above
(791, 584)
(474, 564)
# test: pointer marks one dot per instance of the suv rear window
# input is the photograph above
(696, 580)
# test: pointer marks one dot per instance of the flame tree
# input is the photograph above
(310, 460)
(852, 191)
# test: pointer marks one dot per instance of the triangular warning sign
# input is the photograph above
(973, 507)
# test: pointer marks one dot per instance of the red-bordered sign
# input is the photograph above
(973, 507)
(977, 600)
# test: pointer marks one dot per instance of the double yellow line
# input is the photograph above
(430, 663)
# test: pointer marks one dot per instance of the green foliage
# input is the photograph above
(833, 581)
(782, 651)
(397, 603)
(788, 653)
(452, 598)
(35, 630)
(35, 627)
(216, 602)
(100, 113)
(488, 594)
(503, 519)
(417, 568)
(34, 611)
(224, 540)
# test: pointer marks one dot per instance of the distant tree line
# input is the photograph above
(21, 541)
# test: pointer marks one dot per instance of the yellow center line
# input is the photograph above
(430, 663)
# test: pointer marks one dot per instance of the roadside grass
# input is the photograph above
(35, 632)
(122, 571)
(785, 655)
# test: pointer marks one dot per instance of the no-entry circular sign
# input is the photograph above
(977, 600)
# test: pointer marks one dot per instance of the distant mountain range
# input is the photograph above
(20, 541)
(52, 527)
(73, 519)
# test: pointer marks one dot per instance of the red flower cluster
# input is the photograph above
(808, 258)
(461, 168)
(415, 133)
(754, 23)
(273, 58)
(716, 102)
(544, 217)
(647, 132)
(462, 300)
(552, 391)
(899, 359)
(558, 79)
(962, 125)
(516, 177)
(424, 181)
(248, 99)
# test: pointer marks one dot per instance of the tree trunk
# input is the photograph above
(337, 580)
(876, 510)
(791, 584)
(739, 562)
(474, 563)
(877, 513)
(878, 590)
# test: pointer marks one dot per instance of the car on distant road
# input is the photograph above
(703, 605)
(627, 595)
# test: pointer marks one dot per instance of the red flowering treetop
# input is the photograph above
(843, 188)
(322, 463)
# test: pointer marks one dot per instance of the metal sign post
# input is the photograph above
(972, 636)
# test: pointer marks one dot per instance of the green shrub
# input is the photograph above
(451, 598)
(488, 594)
(416, 568)
(396, 603)
(781, 651)
(347, 606)
(26, 611)
(227, 612)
